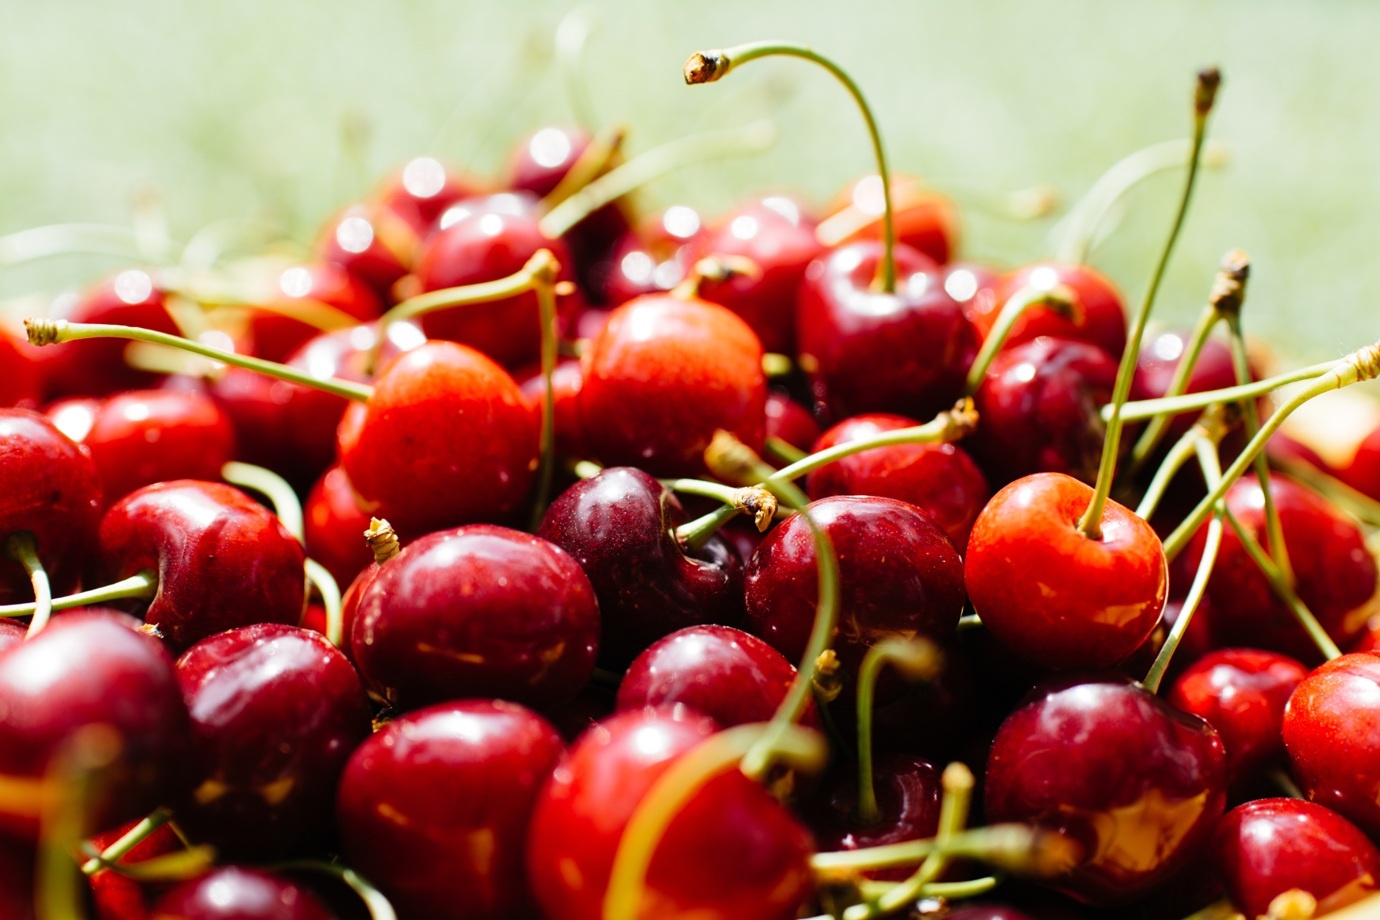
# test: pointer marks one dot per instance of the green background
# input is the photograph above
(241, 110)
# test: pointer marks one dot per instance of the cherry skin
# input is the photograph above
(655, 257)
(974, 286)
(1363, 472)
(939, 479)
(1241, 692)
(119, 897)
(1332, 734)
(1097, 303)
(1264, 848)
(370, 242)
(899, 575)
(421, 191)
(908, 791)
(49, 487)
(732, 852)
(233, 893)
(93, 676)
(276, 711)
(477, 610)
(566, 380)
(663, 376)
(22, 384)
(1135, 783)
(925, 220)
(16, 881)
(222, 559)
(618, 525)
(1053, 595)
(279, 328)
(434, 808)
(868, 351)
(333, 526)
(790, 421)
(446, 439)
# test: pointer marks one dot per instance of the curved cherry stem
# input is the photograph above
(1090, 524)
(53, 331)
(572, 35)
(374, 900)
(1060, 300)
(686, 151)
(70, 239)
(784, 450)
(683, 779)
(1021, 848)
(1212, 425)
(20, 547)
(287, 507)
(544, 283)
(755, 500)
(1173, 405)
(917, 659)
(709, 66)
(592, 162)
(320, 578)
(143, 585)
(127, 842)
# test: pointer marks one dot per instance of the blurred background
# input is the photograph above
(281, 112)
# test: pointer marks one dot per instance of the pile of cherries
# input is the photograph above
(633, 512)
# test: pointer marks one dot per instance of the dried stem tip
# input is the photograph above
(1229, 287)
(43, 331)
(759, 503)
(705, 67)
(1209, 79)
(382, 539)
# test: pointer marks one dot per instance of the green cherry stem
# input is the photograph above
(143, 585)
(784, 450)
(1060, 300)
(128, 841)
(20, 547)
(709, 66)
(755, 500)
(917, 660)
(1360, 505)
(1090, 524)
(585, 469)
(320, 578)
(286, 505)
(1213, 425)
(52, 331)
(544, 283)
(1021, 848)
(1188, 402)
(1159, 424)
(597, 157)
(73, 775)
(374, 900)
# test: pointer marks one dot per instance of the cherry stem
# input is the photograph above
(374, 900)
(544, 283)
(1286, 783)
(1188, 402)
(755, 500)
(1358, 504)
(683, 779)
(588, 166)
(319, 577)
(71, 239)
(572, 34)
(1213, 425)
(1091, 522)
(585, 469)
(1021, 848)
(143, 585)
(784, 450)
(777, 365)
(678, 154)
(709, 66)
(1082, 228)
(128, 841)
(917, 659)
(1154, 431)
(286, 506)
(74, 772)
(949, 890)
(21, 548)
(53, 331)
(1359, 366)
(1061, 300)
(382, 540)
(1212, 471)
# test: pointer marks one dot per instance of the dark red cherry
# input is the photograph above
(663, 376)
(1332, 734)
(790, 421)
(16, 881)
(908, 791)
(276, 711)
(222, 559)
(1267, 847)
(49, 487)
(1098, 305)
(233, 893)
(1136, 784)
(868, 351)
(434, 808)
(939, 479)
(447, 438)
(655, 257)
(92, 679)
(925, 220)
(370, 242)
(334, 525)
(477, 611)
(421, 191)
(618, 525)
(732, 852)
(1050, 593)
(287, 320)
(899, 575)
(1159, 360)
(98, 366)
(1241, 692)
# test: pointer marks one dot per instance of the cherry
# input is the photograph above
(1097, 303)
(333, 524)
(1332, 734)
(222, 560)
(619, 526)
(663, 376)
(731, 853)
(276, 711)
(1264, 848)
(1241, 692)
(567, 380)
(974, 286)
(1135, 783)
(939, 479)
(370, 242)
(1054, 595)
(655, 257)
(477, 610)
(1158, 361)
(234, 893)
(926, 221)
(908, 792)
(119, 897)
(16, 881)
(92, 679)
(1363, 472)
(434, 808)
(22, 384)
(789, 421)
(899, 574)
(421, 191)
(282, 325)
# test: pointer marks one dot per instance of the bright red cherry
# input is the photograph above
(370, 242)
(925, 220)
(334, 525)
(655, 257)
(283, 324)
(1054, 595)
(1363, 472)
(233, 893)
(434, 808)
(790, 421)
(421, 191)
(663, 376)
(566, 380)
(1098, 306)
(22, 383)
(98, 366)
(1267, 847)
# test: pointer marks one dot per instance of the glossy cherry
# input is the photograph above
(421, 191)
(1100, 313)
(1363, 472)
(1264, 848)
(477, 611)
(1135, 783)
(926, 221)
(655, 257)
(790, 421)
(98, 367)
(434, 808)
(618, 525)
(370, 242)
(234, 893)
(283, 323)
(1054, 595)
(334, 525)
(566, 379)
(908, 791)
(222, 559)
(22, 384)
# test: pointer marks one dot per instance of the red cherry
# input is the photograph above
(1050, 593)
(277, 330)
(434, 808)
(663, 376)
(119, 897)
(232, 893)
(790, 421)
(98, 367)
(333, 526)
(1267, 847)
(1136, 783)
(1096, 300)
(421, 191)
(566, 380)
(23, 381)
(1363, 472)
(655, 257)
(908, 791)
(925, 220)
(371, 243)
